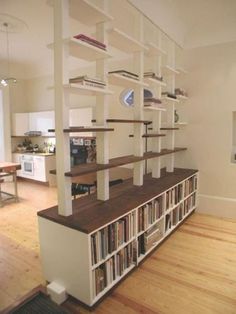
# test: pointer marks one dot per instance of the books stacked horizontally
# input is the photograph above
(181, 92)
(90, 41)
(126, 74)
(153, 102)
(87, 81)
(153, 75)
(149, 239)
(169, 94)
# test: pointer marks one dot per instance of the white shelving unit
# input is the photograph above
(72, 240)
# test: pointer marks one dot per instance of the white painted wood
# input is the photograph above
(65, 258)
(42, 121)
(61, 76)
(5, 122)
(119, 80)
(86, 90)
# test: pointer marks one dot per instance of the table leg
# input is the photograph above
(15, 185)
(1, 202)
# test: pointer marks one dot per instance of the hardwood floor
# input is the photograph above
(193, 272)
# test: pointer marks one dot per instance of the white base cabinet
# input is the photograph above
(89, 262)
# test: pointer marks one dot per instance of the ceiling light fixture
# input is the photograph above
(9, 24)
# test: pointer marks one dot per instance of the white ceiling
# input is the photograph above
(191, 23)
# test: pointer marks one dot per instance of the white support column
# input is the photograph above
(101, 116)
(138, 111)
(61, 76)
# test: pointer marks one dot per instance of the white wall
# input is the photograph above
(211, 85)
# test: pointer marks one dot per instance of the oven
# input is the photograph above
(27, 165)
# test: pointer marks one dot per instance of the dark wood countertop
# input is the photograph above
(90, 214)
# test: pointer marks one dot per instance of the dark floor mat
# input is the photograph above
(39, 304)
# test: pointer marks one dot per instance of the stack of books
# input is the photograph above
(169, 94)
(153, 75)
(126, 74)
(181, 92)
(152, 102)
(90, 41)
(88, 81)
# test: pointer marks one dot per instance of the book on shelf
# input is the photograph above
(180, 92)
(90, 41)
(169, 94)
(153, 75)
(126, 74)
(168, 222)
(87, 81)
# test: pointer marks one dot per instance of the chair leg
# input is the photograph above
(1, 201)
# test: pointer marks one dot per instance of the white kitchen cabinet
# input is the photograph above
(20, 123)
(42, 121)
(40, 168)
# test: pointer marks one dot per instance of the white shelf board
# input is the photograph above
(181, 97)
(154, 50)
(120, 80)
(124, 42)
(153, 82)
(154, 108)
(181, 123)
(181, 70)
(169, 99)
(87, 90)
(168, 70)
(82, 50)
(87, 13)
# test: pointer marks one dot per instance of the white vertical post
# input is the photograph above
(138, 111)
(171, 109)
(61, 76)
(101, 116)
(5, 122)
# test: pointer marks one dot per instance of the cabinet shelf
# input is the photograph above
(150, 135)
(154, 50)
(121, 80)
(116, 162)
(88, 13)
(87, 90)
(124, 42)
(124, 198)
(168, 70)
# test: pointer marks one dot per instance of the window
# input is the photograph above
(127, 96)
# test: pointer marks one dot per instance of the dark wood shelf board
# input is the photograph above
(89, 214)
(83, 169)
(78, 129)
(126, 121)
(166, 129)
(150, 135)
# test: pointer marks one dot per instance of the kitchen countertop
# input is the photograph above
(34, 153)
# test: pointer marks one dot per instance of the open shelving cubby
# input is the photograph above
(89, 244)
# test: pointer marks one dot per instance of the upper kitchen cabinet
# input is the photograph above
(20, 123)
(33, 121)
(42, 121)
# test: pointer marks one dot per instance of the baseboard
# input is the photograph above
(217, 206)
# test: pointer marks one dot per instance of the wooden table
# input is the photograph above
(9, 169)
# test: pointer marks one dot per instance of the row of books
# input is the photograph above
(90, 41)
(87, 81)
(108, 239)
(189, 203)
(190, 185)
(114, 267)
(174, 196)
(169, 94)
(149, 213)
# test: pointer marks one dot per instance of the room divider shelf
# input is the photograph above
(124, 197)
(170, 99)
(124, 42)
(84, 169)
(153, 82)
(125, 121)
(88, 13)
(168, 70)
(85, 90)
(169, 129)
(150, 135)
(154, 50)
(121, 80)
